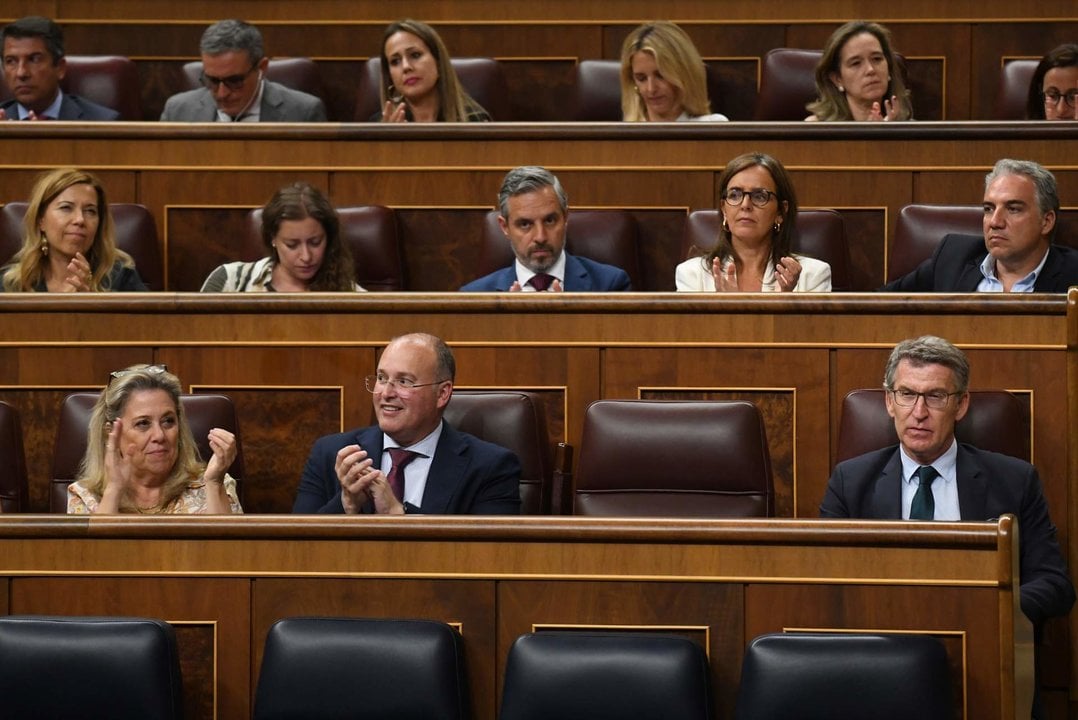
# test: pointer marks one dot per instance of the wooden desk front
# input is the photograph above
(224, 581)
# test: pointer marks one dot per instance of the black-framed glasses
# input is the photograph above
(404, 385)
(759, 196)
(148, 369)
(1052, 97)
(232, 82)
(935, 400)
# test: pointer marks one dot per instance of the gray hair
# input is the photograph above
(526, 179)
(232, 36)
(928, 350)
(1044, 182)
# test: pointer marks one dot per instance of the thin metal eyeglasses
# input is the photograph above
(404, 385)
(933, 400)
(149, 369)
(232, 82)
(1052, 97)
(759, 196)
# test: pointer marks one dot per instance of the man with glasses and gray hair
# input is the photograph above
(234, 87)
(1015, 252)
(411, 461)
(931, 476)
(533, 214)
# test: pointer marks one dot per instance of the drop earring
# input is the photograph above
(724, 226)
(44, 245)
(778, 227)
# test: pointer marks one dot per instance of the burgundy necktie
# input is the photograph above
(401, 458)
(541, 281)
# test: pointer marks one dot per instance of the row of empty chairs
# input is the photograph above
(389, 669)
(610, 236)
(786, 85)
(718, 448)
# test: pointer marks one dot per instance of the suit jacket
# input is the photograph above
(955, 266)
(468, 476)
(989, 485)
(72, 107)
(279, 104)
(581, 275)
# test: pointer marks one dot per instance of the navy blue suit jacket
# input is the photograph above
(581, 275)
(468, 476)
(72, 107)
(989, 485)
(955, 266)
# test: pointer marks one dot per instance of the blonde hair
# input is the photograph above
(830, 104)
(676, 58)
(110, 406)
(26, 271)
(454, 104)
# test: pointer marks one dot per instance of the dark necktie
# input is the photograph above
(401, 458)
(924, 505)
(541, 281)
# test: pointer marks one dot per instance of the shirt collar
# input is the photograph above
(557, 271)
(991, 283)
(944, 464)
(52, 111)
(424, 447)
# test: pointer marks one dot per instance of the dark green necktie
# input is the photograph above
(924, 505)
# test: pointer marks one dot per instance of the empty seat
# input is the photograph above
(297, 73)
(135, 230)
(673, 459)
(1013, 92)
(605, 676)
(370, 232)
(996, 420)
(517, 421)
(482, 78)
(109, 80)
(106, 668)
(203, 412)
(14, 487)
(331, 668)
(819, 234)
(820, 676)
(920, 230)
(606, 236)
(787, 84)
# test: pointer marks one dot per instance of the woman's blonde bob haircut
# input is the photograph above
(678, 61)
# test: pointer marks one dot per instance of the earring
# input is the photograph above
(724, 226)
(44, 245)
(778, 226)
(841, 89)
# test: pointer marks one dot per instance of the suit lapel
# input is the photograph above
(1046, 279)
(446, 472)
(505, 279)
(271, 104)
(576, 275)
(970, 278)
(69, 110)
(972, 486)
(886, 503)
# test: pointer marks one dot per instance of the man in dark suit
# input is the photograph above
(34, 65)
(427, 466)
(1016, 254)
(533, 213)
(234, 88)
(930, 476)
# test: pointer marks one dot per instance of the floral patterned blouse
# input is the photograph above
(192, 500)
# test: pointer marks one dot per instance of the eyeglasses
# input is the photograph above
(1052, 97)
(148, 369)
(933, 400)
(759, 196)
(232, 82)
(404, 385)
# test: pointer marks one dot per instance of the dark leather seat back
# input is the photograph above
(203, 412)
(109, 80)
(482, 78)
(787, 84)
(516, 421)
(605, 676)
(136, 234)
(14, 486)
(297, 73)
(352, 667)
(819, 234)
(102, 668)
(370, 231)
(673, 459)
(996, 421)
(841, 675)
(1013, 92)
(606, 236)
(920, 230)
